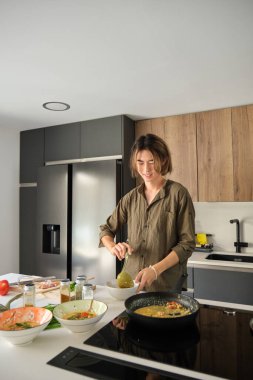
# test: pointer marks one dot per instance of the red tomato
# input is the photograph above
(4, 287)
(84, 314)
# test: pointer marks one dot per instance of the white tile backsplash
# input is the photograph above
(214, 217)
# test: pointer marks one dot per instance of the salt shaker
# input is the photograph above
(80, 281)
(87, 292)
(29, 295)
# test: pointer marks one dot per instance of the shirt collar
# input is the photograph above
(162, 191)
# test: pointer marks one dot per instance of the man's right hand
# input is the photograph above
(121, 249)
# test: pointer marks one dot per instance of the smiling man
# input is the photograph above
(159, 215)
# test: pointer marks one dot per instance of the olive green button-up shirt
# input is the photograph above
(155, 230)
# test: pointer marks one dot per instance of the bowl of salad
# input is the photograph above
(80, 315)
(22, 325)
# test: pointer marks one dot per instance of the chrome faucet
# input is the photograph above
(238, 244)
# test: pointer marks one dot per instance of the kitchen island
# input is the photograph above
(30, 361)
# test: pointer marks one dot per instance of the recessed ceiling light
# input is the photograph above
(56, 106)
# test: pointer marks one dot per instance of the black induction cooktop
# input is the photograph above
(218, 343)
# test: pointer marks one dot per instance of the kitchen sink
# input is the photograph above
(237, 258)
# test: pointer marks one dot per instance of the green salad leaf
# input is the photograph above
(53, 324)
(72, 286)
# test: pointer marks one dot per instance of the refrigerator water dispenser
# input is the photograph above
(51, 238)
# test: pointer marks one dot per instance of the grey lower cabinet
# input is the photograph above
(27, 232)
(188, 286)
(62, 142)
(232, 286)
(31, 154)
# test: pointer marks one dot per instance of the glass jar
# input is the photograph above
(82, 277)
(80, 281)
(87, 293)
(29, 295)
(65, 290)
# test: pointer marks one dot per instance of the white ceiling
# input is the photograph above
(142, 58)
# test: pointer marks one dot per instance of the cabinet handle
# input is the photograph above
(230, 313)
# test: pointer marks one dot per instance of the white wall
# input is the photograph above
(9, 201)
(213, 218)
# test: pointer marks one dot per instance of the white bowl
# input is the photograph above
(20, 315)
(80, 325)
(120, 293)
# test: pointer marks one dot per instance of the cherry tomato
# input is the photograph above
(4, 287)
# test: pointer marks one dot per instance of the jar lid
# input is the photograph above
(88, 285)
(80, 280)
(81, 276)
(29, 286)
(65, 281)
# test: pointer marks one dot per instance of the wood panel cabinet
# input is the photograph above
(211, 151)
(180, 134)
(215, 156)
(242, 135)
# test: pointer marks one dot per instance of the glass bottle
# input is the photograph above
(65, 290)
(87, 292)
(29, 295)
(80, 281)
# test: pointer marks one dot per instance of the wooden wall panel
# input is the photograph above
(215, 157)
(242, 132)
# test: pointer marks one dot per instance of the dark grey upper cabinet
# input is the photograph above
(62, 142)
(110, 136)
(31, 154)
(102, 137)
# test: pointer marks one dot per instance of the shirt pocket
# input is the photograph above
(166, 221)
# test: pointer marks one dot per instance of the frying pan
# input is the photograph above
(160, 298)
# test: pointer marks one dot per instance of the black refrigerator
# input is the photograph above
(73, 200)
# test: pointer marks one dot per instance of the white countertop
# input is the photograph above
(29, 361)
(199, 260)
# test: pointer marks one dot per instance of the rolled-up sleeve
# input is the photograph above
(114, 221)
(185, 227)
